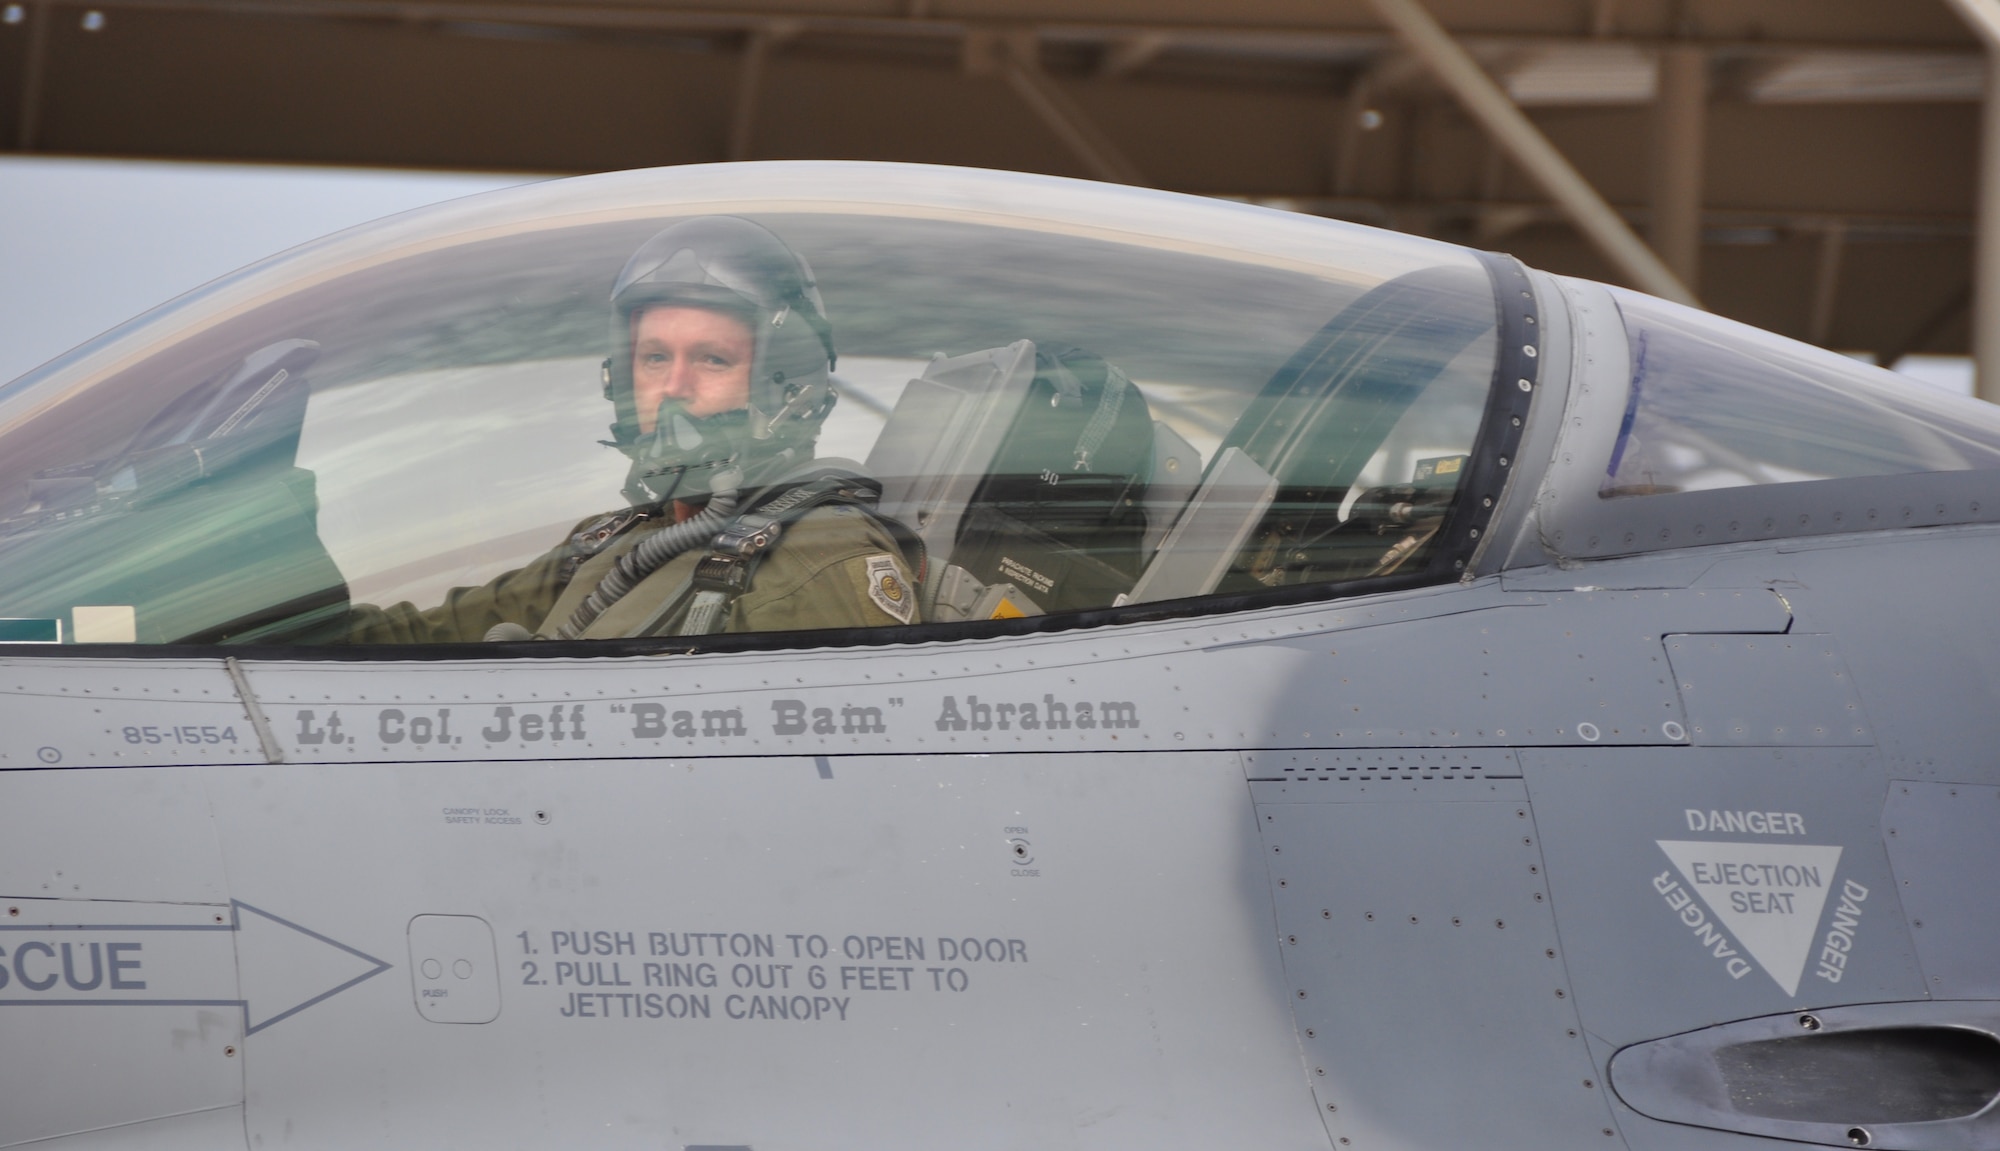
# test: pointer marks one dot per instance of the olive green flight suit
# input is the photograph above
(833, 567)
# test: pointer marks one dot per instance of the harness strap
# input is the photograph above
(1104, 418)
(733, 556)
(1069, 394)
(728, 568)
(596, 535)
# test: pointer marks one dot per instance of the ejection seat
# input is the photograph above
(1036, 479)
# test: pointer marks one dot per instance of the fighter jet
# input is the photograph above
(826, 655)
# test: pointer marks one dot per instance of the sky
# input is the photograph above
(86, 244)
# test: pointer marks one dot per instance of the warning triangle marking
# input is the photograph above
(1769, 896)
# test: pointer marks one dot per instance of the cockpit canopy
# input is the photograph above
(1715, 404)
(1076, 400)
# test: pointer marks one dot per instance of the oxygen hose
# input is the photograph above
(656, 549)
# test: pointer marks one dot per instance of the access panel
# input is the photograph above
(784, 952)
(1420, 950)
(115, 1013)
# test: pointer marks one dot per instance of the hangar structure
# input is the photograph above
(1809, 166)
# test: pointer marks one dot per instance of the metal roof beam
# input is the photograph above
(1826, 283)
(749, 81)
(1680, 139)
(1014, 58)
(28, 123)
(1984, 16)
(750, 84)
(1599, 222)
(1332, 38)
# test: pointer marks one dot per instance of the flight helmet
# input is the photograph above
(729, 265)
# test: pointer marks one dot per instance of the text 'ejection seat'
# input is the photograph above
(1025, 472)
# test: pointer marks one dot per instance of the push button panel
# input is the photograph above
(454, 969)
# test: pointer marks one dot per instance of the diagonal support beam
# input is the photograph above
(1593, 216)
(1132, 53)
(1934, 323)
(1066, 120)
(1984, 16)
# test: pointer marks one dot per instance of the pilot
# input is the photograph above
(719, 379)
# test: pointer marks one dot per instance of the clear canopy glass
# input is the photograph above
(1057, 397)
(1717, 404)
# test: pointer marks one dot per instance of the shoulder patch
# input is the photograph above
(890, 591)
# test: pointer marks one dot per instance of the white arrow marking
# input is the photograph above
(284, 968)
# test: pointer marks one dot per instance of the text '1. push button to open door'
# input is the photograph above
(454, 969)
